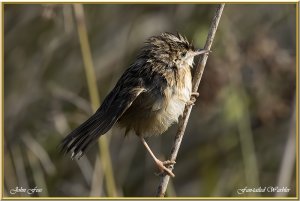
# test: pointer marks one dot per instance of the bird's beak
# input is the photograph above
(201, 51)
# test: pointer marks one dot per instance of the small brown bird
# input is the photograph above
(148, 98)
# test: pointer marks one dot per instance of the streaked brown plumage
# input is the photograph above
(148, 98)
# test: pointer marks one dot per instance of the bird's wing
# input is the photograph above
(127, 89)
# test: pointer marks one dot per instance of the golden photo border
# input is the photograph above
(2, 5)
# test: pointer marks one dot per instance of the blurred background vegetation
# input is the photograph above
(241, 131)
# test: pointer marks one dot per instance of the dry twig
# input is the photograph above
(187, 111)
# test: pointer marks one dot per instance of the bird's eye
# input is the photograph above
(183, 54)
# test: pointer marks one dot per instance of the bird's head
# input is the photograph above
(171, 49)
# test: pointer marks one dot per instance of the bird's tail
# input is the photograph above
(87, 133)
(112, 108)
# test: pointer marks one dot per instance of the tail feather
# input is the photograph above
(113, 107)
(85, 134)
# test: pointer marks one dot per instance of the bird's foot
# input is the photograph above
(193, 99)
(195, 94)
(162, 167)
(191, 102)
(168, 163)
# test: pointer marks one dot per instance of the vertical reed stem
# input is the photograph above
(94, 96)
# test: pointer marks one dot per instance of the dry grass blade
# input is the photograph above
(10, 176)
(70, 97)
(187, 111)
(94, 96)
(20, 168)
(289, 157)
(97, 180)
(38, 176)
(40, 153)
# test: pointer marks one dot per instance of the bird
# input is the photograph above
(147, 99)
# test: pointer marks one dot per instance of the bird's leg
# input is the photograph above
(192, 101)
(160, 164)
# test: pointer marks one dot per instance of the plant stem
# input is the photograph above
(187, 111)
(288, 164)
(94, 96)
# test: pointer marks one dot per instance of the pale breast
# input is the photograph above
(178, 96)
(171, 106)
(154, 112)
